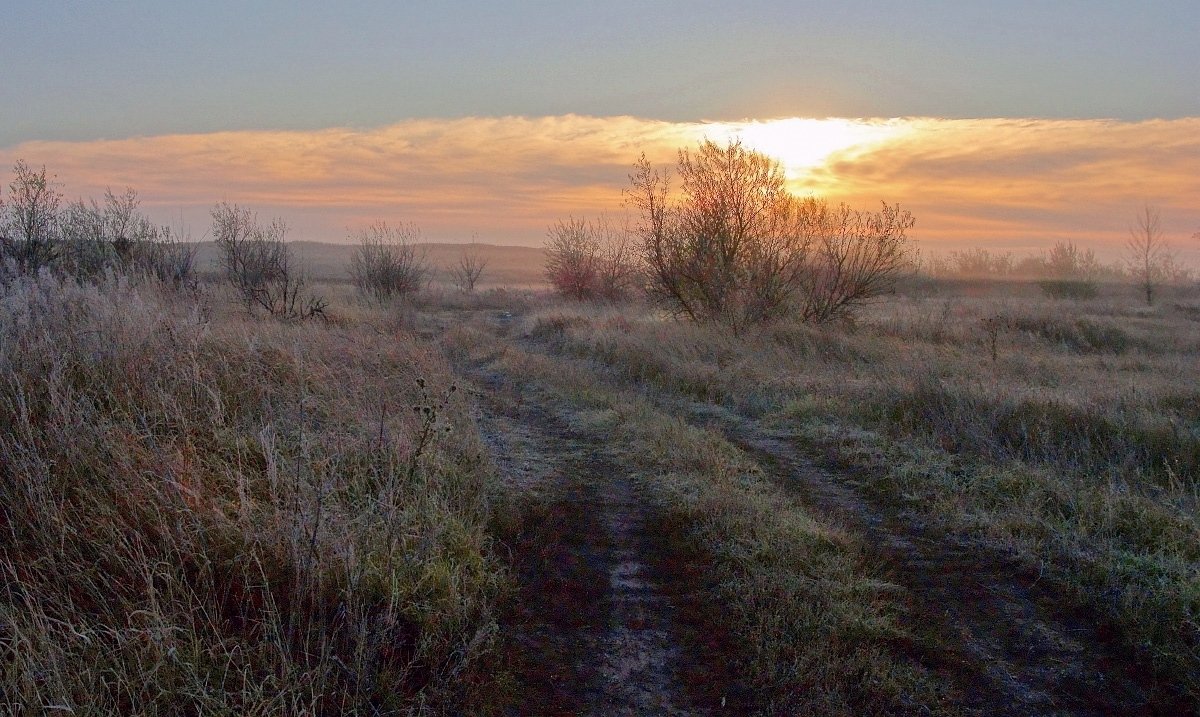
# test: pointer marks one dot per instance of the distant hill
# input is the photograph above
(506, 265)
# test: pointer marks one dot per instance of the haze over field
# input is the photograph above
(999, 125)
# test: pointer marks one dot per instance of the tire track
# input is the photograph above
(988, 622)
(595, 629)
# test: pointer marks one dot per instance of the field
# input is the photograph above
(970, 500)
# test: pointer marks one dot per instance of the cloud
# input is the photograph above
(992, 182)
(509, 176)
(1024, 183)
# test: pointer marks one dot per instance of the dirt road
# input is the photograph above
(609, 617)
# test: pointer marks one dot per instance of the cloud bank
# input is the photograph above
(1000, 183)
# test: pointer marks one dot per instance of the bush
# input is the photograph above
(981, 262)
(386, 262)
(171, 258)
(590, 260)
(857, 256)
(1071, 273)
(259, 265)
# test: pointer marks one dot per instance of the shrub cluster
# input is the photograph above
(86, 239)
(386, 263)
(590, 259)
(1070, 273)
(259, 264)
(735, 247)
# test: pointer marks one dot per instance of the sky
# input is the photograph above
(1007, 125)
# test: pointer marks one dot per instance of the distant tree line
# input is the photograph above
(1067, 270)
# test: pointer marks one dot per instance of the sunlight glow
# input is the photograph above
(801, 144)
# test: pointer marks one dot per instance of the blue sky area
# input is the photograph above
(79, 71)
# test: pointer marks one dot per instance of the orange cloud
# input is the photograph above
(1024, 183)
(1003, 183)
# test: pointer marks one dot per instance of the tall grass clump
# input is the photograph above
(229, 516)
(1133, 441)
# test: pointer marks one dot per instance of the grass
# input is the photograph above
(210, 514)
(1077, 448)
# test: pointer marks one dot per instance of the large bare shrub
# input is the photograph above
(571, 258)
(387, 263)
(856, 256)
(590, 259)
(737, 247)
(259, 264)
(617, 274)
(728, 249)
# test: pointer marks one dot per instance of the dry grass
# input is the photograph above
(207, 514)
(204, 513)
(1078, 447)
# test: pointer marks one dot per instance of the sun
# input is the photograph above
(802, 144)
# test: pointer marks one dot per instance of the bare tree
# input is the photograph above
(28, 224)
(469, 268)
(387, 263)
(1149, 256)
